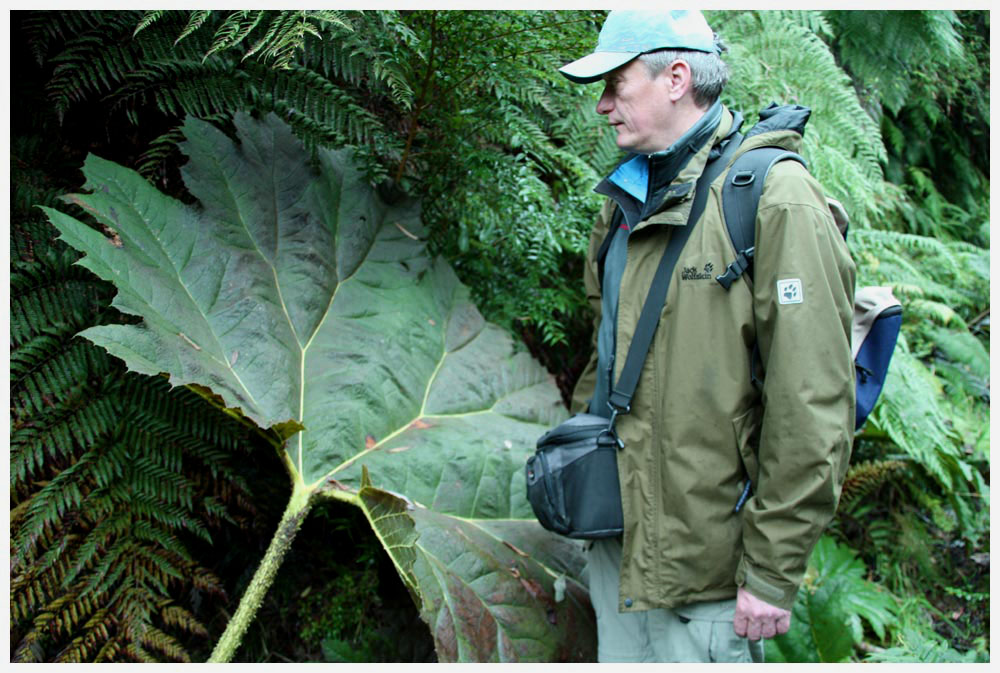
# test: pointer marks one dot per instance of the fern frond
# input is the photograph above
(157, 640)
(234, 29)
(200, 89)
(95, 632)
(911, 36)
(865, 477)
(813, 20)
(160, 150)
(194, 23)
(286, 32)
(102, 482)
(45, 28)
(917, 423)
(774, 57)
(310, 102)
(965, 357)
(88, 66)
(32, 446)
(109, 651)
(148, 19)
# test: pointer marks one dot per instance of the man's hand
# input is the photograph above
(755, 619)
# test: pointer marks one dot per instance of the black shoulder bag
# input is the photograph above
(572, 480)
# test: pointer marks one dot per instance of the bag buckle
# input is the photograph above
(615, 411)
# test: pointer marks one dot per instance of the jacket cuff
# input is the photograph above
(767, 588)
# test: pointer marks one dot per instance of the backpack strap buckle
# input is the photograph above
(736, 268)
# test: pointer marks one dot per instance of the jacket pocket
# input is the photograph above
(747, 432)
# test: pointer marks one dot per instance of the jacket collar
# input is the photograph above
(672, 173)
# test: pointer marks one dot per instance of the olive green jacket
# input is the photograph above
(698, 426)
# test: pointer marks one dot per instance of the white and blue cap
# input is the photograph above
(625, 35)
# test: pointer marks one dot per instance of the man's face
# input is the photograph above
(638, 107)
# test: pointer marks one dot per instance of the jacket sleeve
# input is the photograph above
(803, 298)
(584, 388)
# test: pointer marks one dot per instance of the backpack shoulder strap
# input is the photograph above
(740, 195)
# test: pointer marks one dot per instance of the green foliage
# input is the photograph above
(178, 63)
(916, 647)
(338, 611)
(909, 540)
(338, 615)
(863, 38)
(937, 392)
(778, 56)
(934, 98)
(108, 474)
(834, 603)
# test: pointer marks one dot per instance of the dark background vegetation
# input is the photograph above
(138, 513)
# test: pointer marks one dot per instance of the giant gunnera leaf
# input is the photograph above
(310, 307)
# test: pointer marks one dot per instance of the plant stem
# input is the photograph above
(291, 520)
(419, 107)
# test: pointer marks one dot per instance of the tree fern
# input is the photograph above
(287, 34)
(283, 32)
(864, 38)
(109, 473)
(78, 75)
(937, 125)
(776, 56)
(918, 423)
(105, 527)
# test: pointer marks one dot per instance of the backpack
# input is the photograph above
(878, 315)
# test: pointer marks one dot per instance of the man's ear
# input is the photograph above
(678, 76)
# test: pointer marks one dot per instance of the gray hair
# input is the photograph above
(709, 73)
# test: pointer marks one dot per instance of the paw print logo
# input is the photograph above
(790, 291)
(709, 267)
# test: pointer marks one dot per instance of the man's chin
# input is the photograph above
(624, 144)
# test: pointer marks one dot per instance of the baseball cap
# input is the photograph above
(627, 34)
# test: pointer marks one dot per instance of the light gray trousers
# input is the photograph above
(701, 632)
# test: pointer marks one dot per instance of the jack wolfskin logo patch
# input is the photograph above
(790, 291)
(691, 272)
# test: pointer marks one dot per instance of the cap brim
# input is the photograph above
(592, 67)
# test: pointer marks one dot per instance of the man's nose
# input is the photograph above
(604, 103)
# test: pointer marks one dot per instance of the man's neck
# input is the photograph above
(687, 116)
(697, 118)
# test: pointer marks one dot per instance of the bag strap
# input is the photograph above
(620, 398)
(740, 195)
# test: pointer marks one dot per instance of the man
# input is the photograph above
(691, 578)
